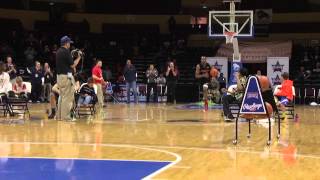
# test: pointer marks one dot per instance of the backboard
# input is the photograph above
(239, 22)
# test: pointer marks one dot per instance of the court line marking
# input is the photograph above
(76, 158)
(150, 176)
(162, 147)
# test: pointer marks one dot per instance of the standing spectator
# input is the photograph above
(98, 81)
(5, 85)
(130, 75)
(36, 82)
(11, 70)
(152, 75)
(48, 81)
(172, 77)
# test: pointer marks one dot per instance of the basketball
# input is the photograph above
(264, 82)
(214, 72)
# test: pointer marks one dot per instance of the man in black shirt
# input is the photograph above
(202, 71)
(65, 66)
(130, 75)
(36, 82)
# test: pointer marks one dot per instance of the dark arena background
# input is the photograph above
(179, 125)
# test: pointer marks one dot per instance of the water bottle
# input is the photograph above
(296, 118)
(206, 105)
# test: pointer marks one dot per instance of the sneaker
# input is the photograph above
(51, 116)
(230, 116)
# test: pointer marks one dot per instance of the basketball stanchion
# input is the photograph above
(253, 105)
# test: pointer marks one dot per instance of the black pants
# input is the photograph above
(269, 98)
(171, 91)
(155, 91)
(36, 91)
(226, 101)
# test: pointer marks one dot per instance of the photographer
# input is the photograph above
(65, 65)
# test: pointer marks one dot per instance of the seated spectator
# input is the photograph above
(234, 93)
(222, 80)
(87, 94)
(19, 88)
(161, 80)
(212, 89)
(284, 92)
(317, 68)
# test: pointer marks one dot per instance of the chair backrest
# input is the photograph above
(28, 86)
(109, 89)
(294, 91)
(297, 92)
(309, 92)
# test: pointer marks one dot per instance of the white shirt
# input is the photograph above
(5, 84)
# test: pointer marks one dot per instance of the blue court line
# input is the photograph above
(76, 169)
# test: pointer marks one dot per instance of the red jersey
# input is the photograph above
(286, 89)
(97, 71)
(19, 89)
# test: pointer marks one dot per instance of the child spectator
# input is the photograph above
(87, 94)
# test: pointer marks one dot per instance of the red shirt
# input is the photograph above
(286, 89)
(19, 89)
(97, 71)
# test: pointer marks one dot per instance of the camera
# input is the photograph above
(76, 53)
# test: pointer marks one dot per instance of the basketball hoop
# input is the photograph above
(229, 36)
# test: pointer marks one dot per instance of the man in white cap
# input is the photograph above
(65, 66)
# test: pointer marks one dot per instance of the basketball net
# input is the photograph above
(229, 36)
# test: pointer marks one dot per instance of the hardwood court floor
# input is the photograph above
(199, 144)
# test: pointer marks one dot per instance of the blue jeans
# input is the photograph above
(84, 100)
(132, 85)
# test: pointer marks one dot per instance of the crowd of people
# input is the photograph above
(218, 92)
(59, 86)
